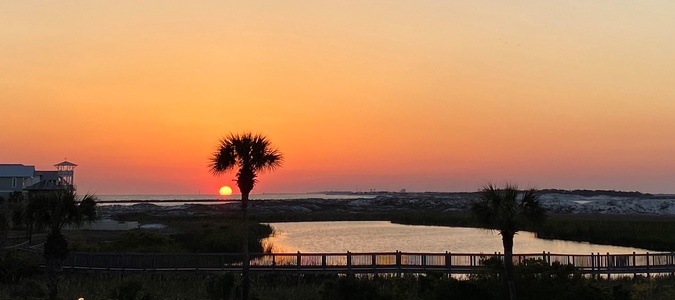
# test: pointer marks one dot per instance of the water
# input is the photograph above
(201, 198)
(380, 236)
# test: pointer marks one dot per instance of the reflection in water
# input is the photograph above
(380, 236)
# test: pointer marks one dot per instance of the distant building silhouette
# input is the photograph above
(19, 178)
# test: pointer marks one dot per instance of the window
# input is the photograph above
(13, 182)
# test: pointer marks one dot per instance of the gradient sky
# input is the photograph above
(424, 95)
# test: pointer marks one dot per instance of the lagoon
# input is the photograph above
(383, 236)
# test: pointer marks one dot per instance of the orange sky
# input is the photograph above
(422, 95)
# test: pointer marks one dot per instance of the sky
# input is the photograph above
(424, 95)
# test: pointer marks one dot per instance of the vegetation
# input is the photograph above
(53, 211)
(640, 231)
(536, 280)
(591, 193)
(191, 234)
(11, 214)
(507, 211)
(249, 154)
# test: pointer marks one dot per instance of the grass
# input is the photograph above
(190, 234)
(535, 281)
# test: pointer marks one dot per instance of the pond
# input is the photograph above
(382, 236)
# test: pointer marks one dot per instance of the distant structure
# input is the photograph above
(19, 178)
(65, 171)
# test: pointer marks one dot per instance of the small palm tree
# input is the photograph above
(54, 210)
(507, 211)
(249, 154)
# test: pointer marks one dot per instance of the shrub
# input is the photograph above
(220, 286)
(144, 242)
(130, 289)
(31, 289)
(349, 288)
(16, 266)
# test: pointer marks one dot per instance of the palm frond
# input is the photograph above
(249, 154)
(508, 209)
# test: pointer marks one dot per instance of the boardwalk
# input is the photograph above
(361, 263)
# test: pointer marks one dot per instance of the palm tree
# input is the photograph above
(53, 210)
(249, 154)
(507, 211)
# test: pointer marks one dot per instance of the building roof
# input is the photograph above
(65, 163)
(47, 185)
(16, 170)
(48, 175)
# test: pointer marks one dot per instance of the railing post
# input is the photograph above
(647, 256)
(373, 260)
(634, 274)
(424, 262)
(349, 262)
(398, 262)
(274, 261)
(299, 260)
(448, 260)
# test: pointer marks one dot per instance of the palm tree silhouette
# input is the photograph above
(250, 154)
(53, 210)
(507, 211)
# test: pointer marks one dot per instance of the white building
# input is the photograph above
(18, 177)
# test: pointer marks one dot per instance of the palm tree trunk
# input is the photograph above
(55, 252)
(53, 272)
(507, 241)
(246, 259)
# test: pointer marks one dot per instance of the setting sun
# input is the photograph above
(225, 190)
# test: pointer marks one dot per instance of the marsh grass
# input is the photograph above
(203, 234)
(535, 280)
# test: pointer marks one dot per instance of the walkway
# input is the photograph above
(361, 263)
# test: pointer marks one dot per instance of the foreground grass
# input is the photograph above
(544, 285)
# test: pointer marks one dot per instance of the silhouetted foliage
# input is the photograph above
(249, 154)
(16, 266)
(53, 210)
(220, 286)
(507, 210)
(592, 193)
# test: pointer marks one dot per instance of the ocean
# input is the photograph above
(207, 198)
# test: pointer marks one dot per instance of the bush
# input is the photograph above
(31, 289)
(16, 266)
(350, 288)
(220, 286)
(131, 289)
(144, 242)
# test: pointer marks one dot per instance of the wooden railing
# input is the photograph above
(370, 263)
